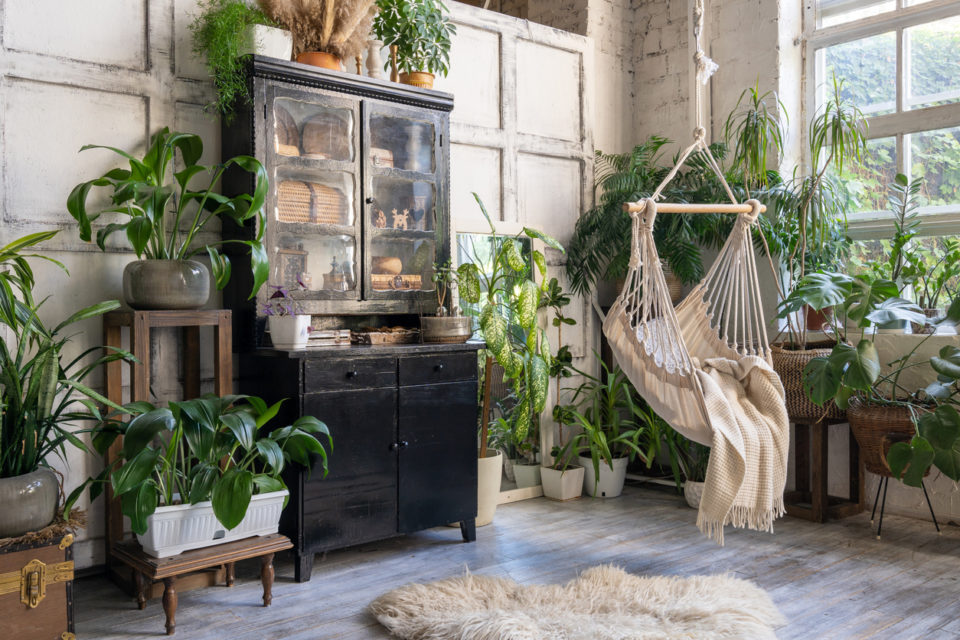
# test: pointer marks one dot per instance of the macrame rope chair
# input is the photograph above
(660, 347)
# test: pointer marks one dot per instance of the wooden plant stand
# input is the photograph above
(140, 324)
(811, 500)
(147, 569)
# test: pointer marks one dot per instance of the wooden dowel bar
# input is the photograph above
(679, 207)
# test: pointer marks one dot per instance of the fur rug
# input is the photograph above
(603, 603)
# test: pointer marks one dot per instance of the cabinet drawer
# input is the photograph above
(335, 374)
(438, 367)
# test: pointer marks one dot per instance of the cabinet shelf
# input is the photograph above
(312, 164)
(403, 234)
(311, 228)
(401, 174)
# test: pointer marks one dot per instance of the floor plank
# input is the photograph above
(834, 580)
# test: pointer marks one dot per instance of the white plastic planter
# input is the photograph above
(268, 41)
(562, 485)
(527, 475)
(488, 486)
(289, 332)
(181, 527)
(611, 481)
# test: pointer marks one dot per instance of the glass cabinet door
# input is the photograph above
(403, 197)
(313, 237)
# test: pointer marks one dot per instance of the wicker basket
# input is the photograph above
(310, 202)
(390, 282)
(326, 135)
(287, 134)
(789, 366)
(876, 427)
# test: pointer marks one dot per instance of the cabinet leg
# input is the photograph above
(231, 574)
(170, 604)
(140, 588)
(266, 578)
(468, 529)
(303, 567)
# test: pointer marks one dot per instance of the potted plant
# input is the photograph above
(223, 33)
(164, 221)
(508, 298)
(449, 325)
(325, 32)
(611, 423)
(936, 285)
(39, 392)
(205, 471)
(289, 328)
(418, 33)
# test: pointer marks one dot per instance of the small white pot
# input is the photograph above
(267, 41)
(692, 492)
(611, 481)
(507, 467)
(562, 485)
(527, 475)
(289, 332)
(180, 527)
(488, 486)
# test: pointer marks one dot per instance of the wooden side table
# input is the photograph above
(811, 500)
(147, 568)
(140, 323)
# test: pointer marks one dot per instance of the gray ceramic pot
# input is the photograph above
(28, 502)
(445, 328)
(166, 284)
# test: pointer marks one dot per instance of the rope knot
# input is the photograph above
(699, 133)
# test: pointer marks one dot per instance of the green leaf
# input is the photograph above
(541, 263)
(265, 414)
(271, 453)
(483, 210)
(923, 456)
(539, 379)
(268, 484)
(894, 310)
(948, 362)
(138, 505)
(512, 256)
(231, 497)
(243, 426)
(469, 282)
(106, 231)
(821, 380)
(527, 304)
(494, 329)
(940, 427)
(204, 475)
(547, 240)
(93, 311)
(139, 230)
(860, 365)
(143, 429)
(220, 265)
(259, 264)
(135, 471)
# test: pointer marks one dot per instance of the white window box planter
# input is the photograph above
(181, 527)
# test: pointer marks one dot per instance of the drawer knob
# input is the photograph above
(404, 443)
(439, 367)
(394, 446)
(353, 374)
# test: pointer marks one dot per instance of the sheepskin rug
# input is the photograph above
(603, 603)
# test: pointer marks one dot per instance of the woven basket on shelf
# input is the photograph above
(326, 135)
(390, 282)
(310, 202)
(789, 366)
(287, 133)
(876, 427)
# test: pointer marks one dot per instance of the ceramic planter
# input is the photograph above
(319, 59)
(562, 485)
(527, 475)
(451, 329)
(420, 79)
(488, 486)
(289, 332)
(267, 41)
(611, 481)
(815, 320)
(692, 493)
(28, 502)
(166, 284)
(177, 528)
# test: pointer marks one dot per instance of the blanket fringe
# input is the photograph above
(741, 517)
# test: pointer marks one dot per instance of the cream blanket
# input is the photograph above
(747, 470)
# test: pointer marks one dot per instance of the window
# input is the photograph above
(899, 61)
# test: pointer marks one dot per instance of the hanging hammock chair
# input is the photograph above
(705, 366)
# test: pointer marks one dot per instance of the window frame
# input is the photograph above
(936, 220)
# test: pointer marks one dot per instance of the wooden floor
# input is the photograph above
(831, 581)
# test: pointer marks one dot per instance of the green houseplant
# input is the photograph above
(164, 220)
(419, 34)
(223, 32)
(38, 392)
(325, 32)
(448, 325)
(211, 453)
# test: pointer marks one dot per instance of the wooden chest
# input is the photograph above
(36, 591)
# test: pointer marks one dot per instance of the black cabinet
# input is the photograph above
(404, 426)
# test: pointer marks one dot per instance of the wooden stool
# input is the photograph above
(146, 569)
(810, 499)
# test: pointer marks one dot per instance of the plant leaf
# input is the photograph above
(231, 496)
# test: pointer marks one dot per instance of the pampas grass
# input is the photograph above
(340, 27)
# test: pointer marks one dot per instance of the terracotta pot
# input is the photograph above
(789, 365)
(166, 284)
(420, 79)
(319, 59)
(815, 320)
(28, 502)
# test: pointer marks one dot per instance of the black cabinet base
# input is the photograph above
(468, 529)
(302, 567)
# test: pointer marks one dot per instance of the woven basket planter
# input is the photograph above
(876, 427)
(789, 365)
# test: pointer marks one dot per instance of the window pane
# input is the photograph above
(864, 186)
(831, 12)
(868, 69)
(933, 58)
(935, 156)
